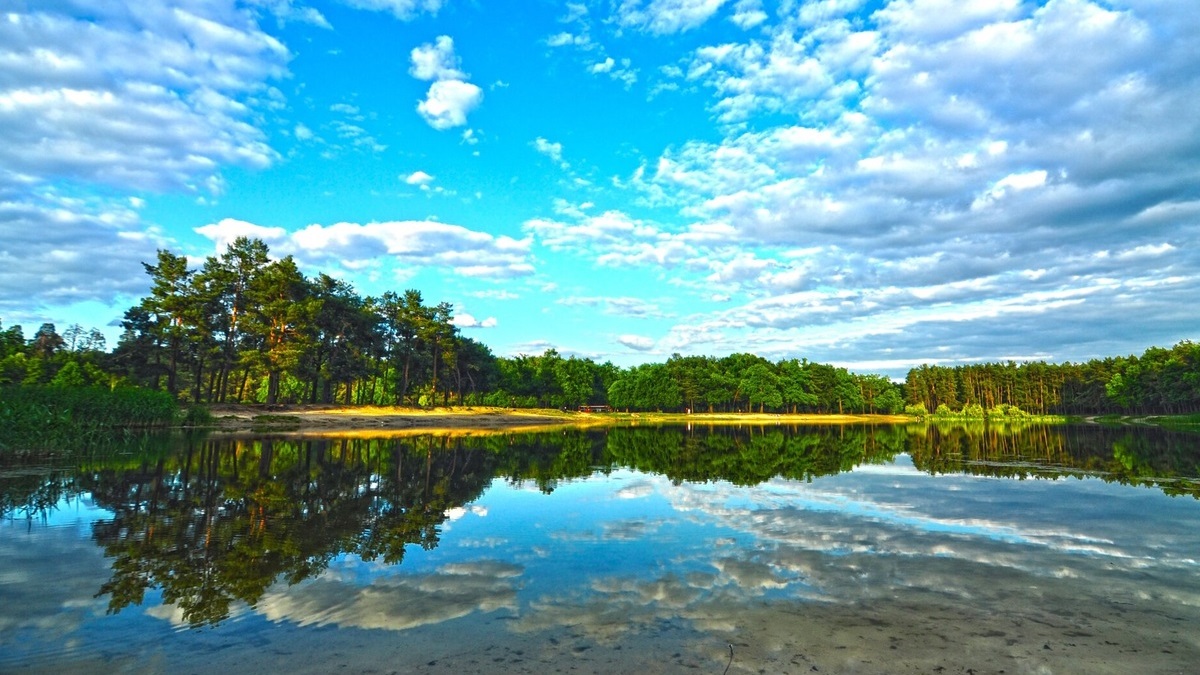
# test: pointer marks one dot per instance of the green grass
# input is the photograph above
(1183, 422)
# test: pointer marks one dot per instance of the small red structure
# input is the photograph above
(594, 408)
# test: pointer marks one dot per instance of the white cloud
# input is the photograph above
(564, 39)
(1011, 183)
(495, 294)
(302, 132)
(59, 251)
(414, 244)
(603, 66)
(748, 14)
(667, 16)
(80, 100)
(347, 109)
(617, 306)
(626, 73)
(552, 150)
(396, 603)
(436, 61)
(418, 178)
(637, 342)
(450, 97)
(447, 103)
(405, 10)
(931, 20)
(286, 11)
(223, 233)
(464, 320)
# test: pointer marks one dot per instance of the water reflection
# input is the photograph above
(217, 524)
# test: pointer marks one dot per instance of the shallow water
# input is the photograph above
(843, 550)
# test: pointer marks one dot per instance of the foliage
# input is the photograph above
(1160, 381)
(196, 415)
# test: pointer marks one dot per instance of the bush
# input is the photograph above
(916, 410)
(498, 399)
(196, 416)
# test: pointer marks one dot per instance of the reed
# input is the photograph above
(43, 417)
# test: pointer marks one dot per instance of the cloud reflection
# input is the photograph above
(399, 602)
(61, 595)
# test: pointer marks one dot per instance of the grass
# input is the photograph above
(1182, 422)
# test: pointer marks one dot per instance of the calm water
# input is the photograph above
(834, 550)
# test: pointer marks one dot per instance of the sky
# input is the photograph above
(873, 184)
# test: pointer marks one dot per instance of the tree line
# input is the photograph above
(1160, 381)
(243, 327)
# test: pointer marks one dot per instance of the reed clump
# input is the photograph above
(47, 417)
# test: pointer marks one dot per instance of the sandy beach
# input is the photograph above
(317, 418)
(321, 418)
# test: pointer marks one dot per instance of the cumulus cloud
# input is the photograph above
(436, 61)
(941, 170)
(667, 16)
(464, 320)
(748, 14)
(591, 51)
(287, 11)
(603, 66)
(418, 178)
(450, 97)
(80, 105)
(552, 150)
(59, 250)
(80, 101)
(640, 343)
(224, 232)
(447, 103)
(617, 306)
(405, 10)
(416, 244)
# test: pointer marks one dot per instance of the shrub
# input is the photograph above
(973, 411)
(196, 416)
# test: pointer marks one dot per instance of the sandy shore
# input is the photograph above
(329, 418)
(318, 418)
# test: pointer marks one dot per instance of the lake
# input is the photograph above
(776, 549)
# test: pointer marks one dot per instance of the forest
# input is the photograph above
(243, 327)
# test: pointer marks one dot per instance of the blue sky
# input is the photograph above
(871, 184)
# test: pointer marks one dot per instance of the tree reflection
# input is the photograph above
(1167, 460)
(215, 523)
(223, 521)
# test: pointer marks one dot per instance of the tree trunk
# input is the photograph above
(272, 387)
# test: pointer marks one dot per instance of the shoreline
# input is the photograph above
(318, 418)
